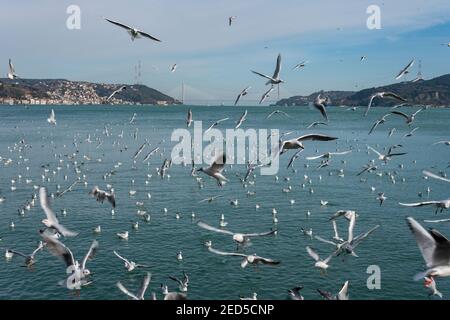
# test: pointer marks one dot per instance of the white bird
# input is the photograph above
(442, 204)
(51, 221)
(231, 19)
(435, 250)
(388, 156)
(294, 293)
(183, 284)
(252, 259)
(434, 176)
(173, 68)
(275, 79)
(11, 72)
(241, 94)
(328, 155)
(189, 118)
(241, 120)
(382, 95)
(116, 92)
(266, 95)
(378, 122)
(447, 143)
(29, 259)
(409, 118)
(123, 235)
(321, 264)
(52, 118)
(297, 142)
(405, 70)
(215, 124)
(141, 292)
(215, 169)
(134, 33)
(381, 197)
(101, 195)
(341, 295)
(239, 238)
(172, 295)
(279, 112)
(129, 265)
(300, 65)
(316, 123)
(319, 104)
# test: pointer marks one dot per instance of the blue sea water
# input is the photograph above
(156, 243)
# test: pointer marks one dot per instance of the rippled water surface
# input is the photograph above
(157, 242)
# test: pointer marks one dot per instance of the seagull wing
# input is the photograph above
(120, 257)
(336, 233)
(316, 157)
(144, 34)
(351, 226)
(219, 163)
(315, 137)
(203, 225)
(266, 260)
(263, 75)
(418, 204)
(434, 253)
(226, 253)
(125, 290)
(343, 293)
(58, 249)
(45, 204)
(379, 154)
(312, 253)
(434, 176)
(144, 285)
(402, 72)
(321, 108)
(370, 104)
(324, 240)
(261, 234)
(276, 74)
(395, 96)
(400, 114)
(357, 240)
(90, 254)
(119, 24)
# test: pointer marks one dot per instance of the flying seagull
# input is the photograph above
(278, 112)
(51, 221)
(215, 124)
(388, 156)
(12, 73)
(409, 118)
(378, 122)
(275, 79)
(189, 118)
(135, 33)
(241, 120)
(383, 95)
(434, 176)
(296, 143)
(116, 92)
(266, 95)
(216, 168)
(141, 292)
(319, 104)
(341, 295)
(231, 19)
(300, 65)
(241, 94)
(405, 70)
(52, 118)
(442, 204)
(173, 68)
(252, 259)
(435, 250)
(129, 265)
(29, 259)
(240, 238)
(101, 195)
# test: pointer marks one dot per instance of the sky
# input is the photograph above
(213, 59)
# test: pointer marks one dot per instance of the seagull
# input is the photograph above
(172, 295)
(319, 104)
(321, 264)
(241, 120)
(278, 112)
(134, 114)
(410, 134)
(435, 250)
(297, 142)
(253, 297)
(52, 118)
(173, 68)
(150, 154)
(404, 71)
(129, 265)
(316, 123)
(362, 58)
(300, 65)
(58, 249)
(240, 238)
(409, 119)
(141, 292)
(12, 73)
(183, 284)
(52, 221)
(434, 176)
(215, 124)
(122, 88)
(350, 245)
(135, 33)
(29, 259)
(328, 155)
(293, 158)
(241, 94)
(123, 235)
(447, 143)
(381, 197)
(210, 199)
(378, 122)
(138, 152)
(189, 118)
(231, 19)
(367, 168)
(383, 95)
(442, 204)
(252, 259)
(294, 293)
(216, 168)
(266, 95)
(388, 156)
(275, 79)
(341, 295)
(101, 195)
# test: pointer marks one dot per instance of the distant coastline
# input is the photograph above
(65, 92)
(434, 93)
